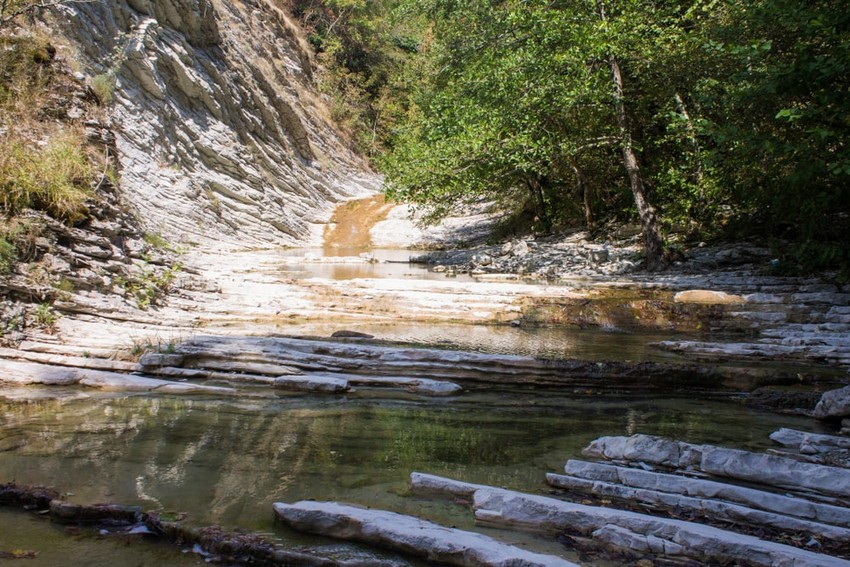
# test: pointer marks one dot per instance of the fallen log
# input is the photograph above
(67, 512)
(409, 535)
(29, 497)
(213, 542)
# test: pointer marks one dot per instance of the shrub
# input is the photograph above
(56, 179)
(103, 86)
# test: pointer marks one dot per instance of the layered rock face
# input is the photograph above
(221, 135)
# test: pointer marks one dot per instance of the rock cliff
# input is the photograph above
(221, 135)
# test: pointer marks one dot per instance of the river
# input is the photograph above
(224, 461)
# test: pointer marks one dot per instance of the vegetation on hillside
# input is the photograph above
(45, 164)
(712, 117)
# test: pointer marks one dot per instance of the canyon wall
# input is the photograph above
(222, 137)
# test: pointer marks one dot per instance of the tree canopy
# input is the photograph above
(720, 116)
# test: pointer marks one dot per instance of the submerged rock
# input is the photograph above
(707, 296)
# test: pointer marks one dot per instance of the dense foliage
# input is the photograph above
(736, 112)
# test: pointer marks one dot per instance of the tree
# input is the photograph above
(528, 92)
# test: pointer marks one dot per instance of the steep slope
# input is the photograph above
(221, 136)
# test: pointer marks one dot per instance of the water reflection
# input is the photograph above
(225, 462)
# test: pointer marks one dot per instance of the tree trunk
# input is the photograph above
(653, 245)
(541, 215)
(585, 198)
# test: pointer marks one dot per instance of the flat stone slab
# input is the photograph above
(707, 489)
(630, 531)
(312, 383)
(423, 483)
(735, 514)
(809, 443)
(762, 468)
(418, 385)
(638, 532)
(25, 373)
(409, 535)
(129, 383)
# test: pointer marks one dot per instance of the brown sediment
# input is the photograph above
(352, 221)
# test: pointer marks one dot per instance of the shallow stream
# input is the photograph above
(226, 462)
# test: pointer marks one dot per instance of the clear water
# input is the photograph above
(226, 461)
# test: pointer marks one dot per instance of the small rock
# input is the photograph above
(482, 259)
(519, 248)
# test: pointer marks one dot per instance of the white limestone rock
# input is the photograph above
(769, 470)
(312, 383)
(409, 535)
(217, 115)
(834, 404)
(505, 508)
(130, 383)
(715, 509)
(417, 385)
(709, 489)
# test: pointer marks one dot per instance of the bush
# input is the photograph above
(8, 256)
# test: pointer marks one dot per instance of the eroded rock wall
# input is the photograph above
(222, 137)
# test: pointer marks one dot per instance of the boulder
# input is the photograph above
(809, 443)
(834, 404)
